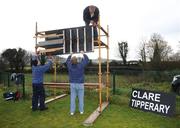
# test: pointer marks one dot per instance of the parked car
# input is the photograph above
(176, 84)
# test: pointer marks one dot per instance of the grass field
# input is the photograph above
(18, 114)
(117, 115)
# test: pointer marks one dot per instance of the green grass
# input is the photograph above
(117, 115)
(124, 117)
(18, 114)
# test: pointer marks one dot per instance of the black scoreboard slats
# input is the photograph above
(89, 38)
(81, 39)
(75, 39)
(67, 41)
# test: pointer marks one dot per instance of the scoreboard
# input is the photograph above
(65, 41)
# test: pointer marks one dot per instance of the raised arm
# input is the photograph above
(68, 61)
(47, 66)
(85, 60)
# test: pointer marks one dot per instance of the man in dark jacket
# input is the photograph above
(91, 16)
(76, 79)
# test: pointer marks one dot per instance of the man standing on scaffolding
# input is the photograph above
(91, 17)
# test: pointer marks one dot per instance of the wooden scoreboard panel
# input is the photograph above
(70, 40)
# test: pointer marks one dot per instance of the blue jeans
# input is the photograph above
(38, 96)
(77, 89)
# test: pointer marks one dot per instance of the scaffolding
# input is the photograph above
(60, 46)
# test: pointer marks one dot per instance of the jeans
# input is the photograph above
(77, 89)
(38, 96)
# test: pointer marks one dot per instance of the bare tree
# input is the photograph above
(123, 50)
(142, 51)
(158, 49)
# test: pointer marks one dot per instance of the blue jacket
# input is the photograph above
(38, 72)
(76, 71)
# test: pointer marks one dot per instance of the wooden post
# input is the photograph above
(100, 73)
(107, 75)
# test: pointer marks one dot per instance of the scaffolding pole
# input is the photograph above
(99, 60)
(107, 74)
(100, 72)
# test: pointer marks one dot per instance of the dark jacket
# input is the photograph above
(76, 71)
(87, 16)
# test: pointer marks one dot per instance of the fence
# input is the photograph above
(5, 80)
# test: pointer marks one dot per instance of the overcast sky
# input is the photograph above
(128, 20)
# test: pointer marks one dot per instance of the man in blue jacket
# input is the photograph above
(37, 83)
(76, 78)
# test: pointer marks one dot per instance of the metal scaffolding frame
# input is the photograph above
(102, 105)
